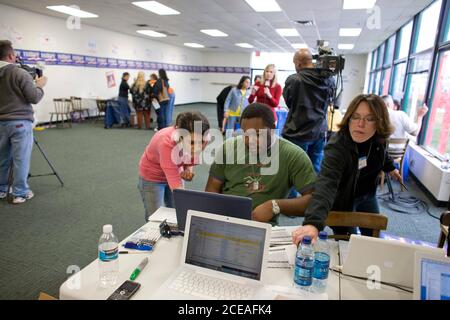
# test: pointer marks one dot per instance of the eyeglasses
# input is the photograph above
(368, 119)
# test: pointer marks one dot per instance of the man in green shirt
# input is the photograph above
(264, 167)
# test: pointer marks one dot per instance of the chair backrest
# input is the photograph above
(397, 148)
(101, 105)
(76, 103)
(376, 222)
(62, 106)
(445, 226)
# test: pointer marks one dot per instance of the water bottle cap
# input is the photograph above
(306, 240)
(107, 228)
(323, 235)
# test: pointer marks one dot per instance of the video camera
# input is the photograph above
(34, 71)
(326, 59)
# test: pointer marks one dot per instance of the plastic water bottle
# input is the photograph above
(108, 257)
(304, 264)
(321, 264)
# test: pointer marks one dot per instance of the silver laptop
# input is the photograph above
(391, 260)
(431, 276)
(222, 258)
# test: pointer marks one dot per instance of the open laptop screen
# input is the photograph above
(434, 280)
(226, 247)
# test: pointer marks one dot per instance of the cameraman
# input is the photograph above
(18, 92)
(307, 94)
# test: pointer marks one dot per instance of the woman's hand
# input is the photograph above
(255, 89)
(395, 174)
(187, 175)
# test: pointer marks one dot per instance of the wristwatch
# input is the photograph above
(275, 208)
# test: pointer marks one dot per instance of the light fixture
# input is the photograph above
(73, 11)
(345, 46)
(244, 45)
(359, 4)
(156, 7)
(349, 32)
(194, 45)
(299, 45)
(264, 5)
(286, 32)
(152, 33)
(214, 33)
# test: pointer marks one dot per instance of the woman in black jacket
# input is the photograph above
(353, 160)
(160, 90)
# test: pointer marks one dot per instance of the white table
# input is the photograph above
(163, 260)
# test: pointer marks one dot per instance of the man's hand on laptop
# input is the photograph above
(263, 212)
(187, 175)
(300, 233)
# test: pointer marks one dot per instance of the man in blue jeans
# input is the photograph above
(308, 93)
(18, 91)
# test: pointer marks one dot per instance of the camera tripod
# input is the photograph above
(11, 172)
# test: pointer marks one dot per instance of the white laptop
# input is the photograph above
(432, 276)
(392, 260)
(222, 258)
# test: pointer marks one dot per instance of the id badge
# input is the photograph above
(362, 163)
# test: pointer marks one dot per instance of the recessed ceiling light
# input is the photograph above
(264, 5)
(345, 46)
(156, 7)
(244, 45)
(214, 33)
(194, 45)
(73, 11)
(286, 32)
(349, 32)
(299, 45)
(152, 33)
(359, 4)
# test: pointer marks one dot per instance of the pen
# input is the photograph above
(133, 252)
(138, 270)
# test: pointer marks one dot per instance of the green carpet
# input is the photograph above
(60, 227)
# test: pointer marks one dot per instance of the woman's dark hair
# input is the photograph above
(262, 111)
(257, 77)
(186, 121)
(380, 111)
(241, 82)
(154, 76)
(163, 74)
(125, 74)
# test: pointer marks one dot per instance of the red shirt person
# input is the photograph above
(268, 91)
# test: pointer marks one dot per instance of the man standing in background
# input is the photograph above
(18, 91)
(308, 94)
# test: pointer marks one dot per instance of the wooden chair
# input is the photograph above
(77, 107)
(375, 222)
(101, 107)
(396, 150)
(63, 109)
(445, 223)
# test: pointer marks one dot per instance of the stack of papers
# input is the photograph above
(280, 237)
(282, 257)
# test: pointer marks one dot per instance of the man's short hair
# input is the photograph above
(6, 49)
(262, 111)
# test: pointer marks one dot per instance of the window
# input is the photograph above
(447, 28)
(438, 126)
(415, 93)
(380, 56)
(386, 78)
(374, 60)
(398, 81)
(389, 52)
(403, 43)
(376, 84)
(427, 27)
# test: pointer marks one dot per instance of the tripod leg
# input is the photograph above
(391, 190)
(49, 163)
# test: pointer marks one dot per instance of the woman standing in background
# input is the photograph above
(171, 105)
(160, 90)
(140, 102)
(236, 102)
(124, 91)
(150, 96)
(268, 91)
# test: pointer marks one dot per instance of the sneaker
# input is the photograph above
(19, 200)
(3, 195)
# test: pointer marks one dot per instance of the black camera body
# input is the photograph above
(33, 71)
(325, 59)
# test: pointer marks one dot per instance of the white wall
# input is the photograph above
(31, 31)
(354, 76)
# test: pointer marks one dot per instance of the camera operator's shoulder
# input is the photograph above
(293, 78)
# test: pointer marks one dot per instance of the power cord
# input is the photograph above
(338, 270)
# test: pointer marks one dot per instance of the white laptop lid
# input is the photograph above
(234, 248)
(431, 276)
(391, 260)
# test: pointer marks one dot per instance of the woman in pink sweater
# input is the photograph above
(169, 159)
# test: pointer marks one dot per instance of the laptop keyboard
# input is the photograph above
(206, 287)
